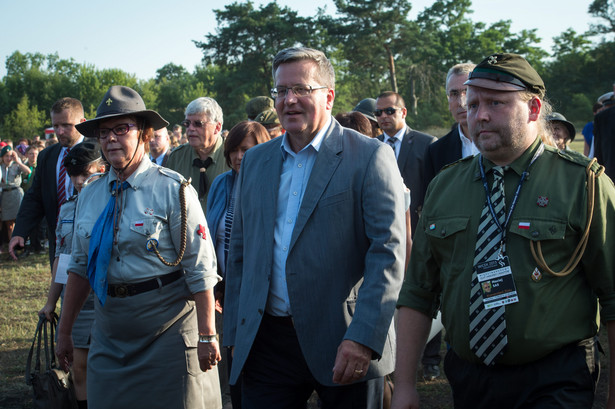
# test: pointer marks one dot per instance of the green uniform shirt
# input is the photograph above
(182, 157)
(553, 311)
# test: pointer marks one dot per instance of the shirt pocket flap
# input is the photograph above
(146, 227)
(538, 229)
(446, 226)
(84, 230)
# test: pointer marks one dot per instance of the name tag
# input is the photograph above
(497, 283)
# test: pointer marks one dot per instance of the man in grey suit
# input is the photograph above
(410, 147)
(317, 252)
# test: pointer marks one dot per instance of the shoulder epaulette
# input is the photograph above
(458, 161)
(171, 174)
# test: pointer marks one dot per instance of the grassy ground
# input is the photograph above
(23, 289)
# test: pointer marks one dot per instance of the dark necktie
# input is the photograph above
(101, 245)
(488, 326)
(203, 182)
(62, 181)
(391, 142)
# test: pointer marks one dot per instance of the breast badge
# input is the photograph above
(202, 231)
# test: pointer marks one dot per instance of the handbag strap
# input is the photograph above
(35, 341)
(42, 339)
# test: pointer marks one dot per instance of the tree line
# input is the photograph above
(373, 45)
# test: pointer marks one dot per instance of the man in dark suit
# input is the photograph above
(604, 135)
(455, 144)
(317, 253)
(44, 198)
(448, 149)
(410, 147)
(159, 147)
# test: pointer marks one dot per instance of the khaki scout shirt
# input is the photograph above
(150, 209)
(552, 311)
(183, 156)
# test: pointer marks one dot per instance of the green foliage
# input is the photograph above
(605, 10)
(373, 45)
(24, 121)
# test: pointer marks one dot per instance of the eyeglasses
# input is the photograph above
(118, 130)
(197, 124)
(298, 90)
(456, 93)
(388, 111)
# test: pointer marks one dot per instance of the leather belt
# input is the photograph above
(128, 290)
(8, 189)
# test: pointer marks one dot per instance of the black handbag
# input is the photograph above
(53, 388)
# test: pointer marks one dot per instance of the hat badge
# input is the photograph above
(109, 102)
(493, 60)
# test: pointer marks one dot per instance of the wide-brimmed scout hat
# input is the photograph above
(120, 101)
(557, 117)
(506, 72)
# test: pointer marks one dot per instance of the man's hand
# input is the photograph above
(16, 241)
(209, 355)
(351, 362)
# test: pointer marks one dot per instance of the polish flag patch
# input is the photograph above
(138, 224)
(524, 225)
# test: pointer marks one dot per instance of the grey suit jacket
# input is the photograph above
(411, 166)
(345, 262)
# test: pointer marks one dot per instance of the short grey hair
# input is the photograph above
(207, 106)
(325, 73)
(459, 69)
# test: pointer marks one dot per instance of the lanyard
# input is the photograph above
(513, 204)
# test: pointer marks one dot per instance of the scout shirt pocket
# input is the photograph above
(450, 242)
(63, 235)
(553, 238)
(146, 229)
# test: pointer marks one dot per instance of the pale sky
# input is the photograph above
(141, 36)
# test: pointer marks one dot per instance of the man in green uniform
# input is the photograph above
(202, 158)
(513, 246)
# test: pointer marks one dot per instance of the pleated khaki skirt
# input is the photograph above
(143, 354)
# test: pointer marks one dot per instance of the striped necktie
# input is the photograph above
(391, 142)
(488, 326)
(62, 181)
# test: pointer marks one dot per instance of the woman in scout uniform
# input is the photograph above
(12, 169)
(141, 242)
(82, 162)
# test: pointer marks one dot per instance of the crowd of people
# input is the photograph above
(302, 253)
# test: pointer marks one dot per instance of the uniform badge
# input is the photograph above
(202, 231)
(109, 102)
(493, 60)
(432, 226)
(542, 201)
(536, 275)
(524, 225)
(149, 211)
(151, 245)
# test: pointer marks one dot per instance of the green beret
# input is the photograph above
(268, 117)
(257, 105)
(506, 72)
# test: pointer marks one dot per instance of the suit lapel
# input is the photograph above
(326, 163)
(269, 171)
(406, 145)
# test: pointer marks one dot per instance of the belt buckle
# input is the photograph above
(121, 291)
